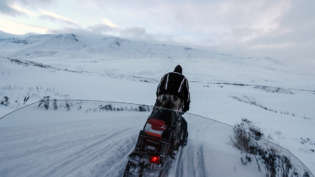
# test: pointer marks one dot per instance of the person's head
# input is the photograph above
(178, 69)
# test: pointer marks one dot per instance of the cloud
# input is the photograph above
(12, 27)
(57, 16)
(275, 28)
(102, 29)
(22, 10)
(6, 9)
(134, 32)
(281, 29)
(225, 23)
(59, 20)
(273, 45)
(109, 23)
(13, 7)
(300, 15)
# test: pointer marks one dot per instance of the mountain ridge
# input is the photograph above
(108, 47)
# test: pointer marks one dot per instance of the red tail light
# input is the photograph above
(155, 159)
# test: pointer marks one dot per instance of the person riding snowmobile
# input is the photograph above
(173, 90)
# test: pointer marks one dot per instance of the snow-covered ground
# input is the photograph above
(89, 141)
(37, 142)
(277, 97)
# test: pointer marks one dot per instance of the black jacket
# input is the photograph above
(175, 83)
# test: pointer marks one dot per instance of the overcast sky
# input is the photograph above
(282, 29)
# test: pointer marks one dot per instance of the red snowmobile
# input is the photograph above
(157, 144)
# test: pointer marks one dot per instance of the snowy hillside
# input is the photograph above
(55, 45)
(50, 45)
(277, 97)
(115, 56)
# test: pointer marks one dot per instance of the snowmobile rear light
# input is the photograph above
(155, 159)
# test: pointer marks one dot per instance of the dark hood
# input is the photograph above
(178, 69)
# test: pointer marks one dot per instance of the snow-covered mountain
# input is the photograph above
(105, 47)
(276, 96)
(112, 55)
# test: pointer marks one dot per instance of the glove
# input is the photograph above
(186, 106)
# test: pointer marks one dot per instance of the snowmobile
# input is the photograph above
(157, 144)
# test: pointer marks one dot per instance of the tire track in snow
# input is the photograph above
(56, 134)
(62, 138)
(98, 149)
(119, 167)
(190, 160)
(178, 161)
(118, 151)
(100, 153)
(198, 162)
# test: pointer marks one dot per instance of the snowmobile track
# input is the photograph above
(94, 150)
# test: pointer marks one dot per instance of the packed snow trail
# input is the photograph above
(84, 148)
(89, 140)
